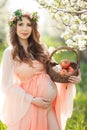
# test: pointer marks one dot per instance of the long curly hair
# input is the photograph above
(35, 48)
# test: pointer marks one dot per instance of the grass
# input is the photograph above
(2, 126)
(78, 121)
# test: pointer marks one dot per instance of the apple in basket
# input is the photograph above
(63, 72)
(65, 63)
(71, 70)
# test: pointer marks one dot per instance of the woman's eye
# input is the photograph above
(20, 24)
(29, 25)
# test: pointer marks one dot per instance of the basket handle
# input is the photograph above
(67, 48)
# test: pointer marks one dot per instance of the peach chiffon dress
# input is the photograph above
(19, 84)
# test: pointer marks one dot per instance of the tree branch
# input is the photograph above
(67, 11)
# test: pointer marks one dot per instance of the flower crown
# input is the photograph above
(18, 15)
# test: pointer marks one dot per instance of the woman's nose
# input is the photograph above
(25, 27)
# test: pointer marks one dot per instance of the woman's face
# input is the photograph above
(24, 28)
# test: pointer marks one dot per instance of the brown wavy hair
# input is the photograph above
(34, 47)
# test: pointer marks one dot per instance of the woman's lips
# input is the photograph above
(25, 34)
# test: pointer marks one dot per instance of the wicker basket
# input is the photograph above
(57, 77)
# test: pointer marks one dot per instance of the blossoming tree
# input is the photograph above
(71, 16)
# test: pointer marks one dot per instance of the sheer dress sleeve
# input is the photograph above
(15, 102)
(66, 95)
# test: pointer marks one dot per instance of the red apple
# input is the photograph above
(70, 70)
(65, 63)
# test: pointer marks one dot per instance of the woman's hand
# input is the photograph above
(75, 79)
(42, 102)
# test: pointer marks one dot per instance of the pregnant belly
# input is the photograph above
(46, 87)
(40, 86)
(51, 90)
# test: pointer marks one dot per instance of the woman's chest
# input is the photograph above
(25, 71)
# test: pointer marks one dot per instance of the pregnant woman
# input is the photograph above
(31, 100)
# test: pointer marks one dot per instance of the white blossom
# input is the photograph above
(74, 26)
(71, 43)
(73, 17)
(64, 2)
(51, 49)
(83, 27)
